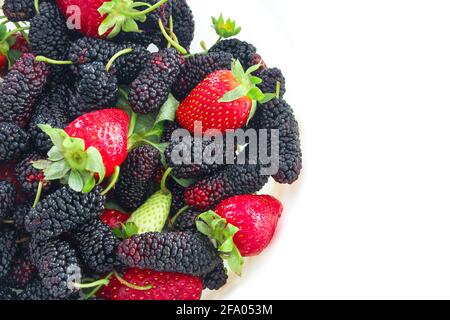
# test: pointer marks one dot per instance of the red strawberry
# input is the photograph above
(106, 130)
(114, 218)
(165, 286)
(91, 148)
(3, 64)
(225, 100)
(256, 217)
(98, 18)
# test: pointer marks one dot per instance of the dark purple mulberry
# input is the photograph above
(135, 182)
(57, 264)
(236, 179)
(182, 252)
(19, 10)
(270, 77)
(20, 89)
(97, 246)
(278, 115)
(30, 177)
(8, 250)
(216, 279)
(241, 50)
(7, 198)
(48, 32)
(63, 211)
(152, 87)
(187, 221)
(13, 141)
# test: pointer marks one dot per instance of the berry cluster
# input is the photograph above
(93, 204)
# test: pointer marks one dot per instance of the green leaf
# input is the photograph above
(268, 97)
(41, 164)
(168, 110)
(234, 94)
(130, 229)
(114, 206)
(252, 111)
(55, 154)
(73, 144)
(227, 246)
(235, 261)
(256, 94)
(3, 31)
(76, 181)
(184, 182)
(56, 170)
(253, 69)
(238, 71)
(56, 135)
(203, 228)
(256, 80)
(88, 181)
(95, 163)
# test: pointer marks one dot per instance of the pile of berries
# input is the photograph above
(92, 203)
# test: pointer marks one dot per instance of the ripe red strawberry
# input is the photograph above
(165, 286)
(256, 216)
(105, 130)
(90, 148)
(114, 218)
(3, 64)
(99, 18)
(225, 100)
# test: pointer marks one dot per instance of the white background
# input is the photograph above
(370, 83)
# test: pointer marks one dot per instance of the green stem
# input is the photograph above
(101, 282)
(278, 90)
(177, 215)
(113, 181)
(164, 179)
(182, 50)
(116, 56)
(24, 34)
(36, 7)
(38, 194)
(150, 9)
(133, 122)
(218, 40)
(23, 240)
(8, 221)
(204, 46)
(10, 33)
(51, 61)
(130, 285)
(123, 92)
(93, 292)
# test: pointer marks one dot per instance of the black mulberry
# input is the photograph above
(181, 252)
(215, 279)
(56, 262)
(21, 88)
(187, 221)
(62, 211)
(8, 250)
(135, 182)
(97, 246)
(197, 68)
(97, 89)
(13, 141)
(6, 294)
(152, 87)
(236, 179)
(30, 177)
(270, 78)
(50, 110)
(19, 10)
(278, 115)
(7, 198)
(48, 32)
(127, 67)
(241, 50)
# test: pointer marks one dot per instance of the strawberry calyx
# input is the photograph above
(121, 15)
(70, 162)
(247, 87)
(218, 229)
(225, 28)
